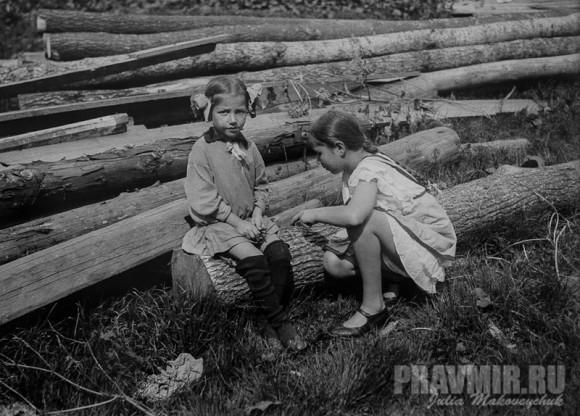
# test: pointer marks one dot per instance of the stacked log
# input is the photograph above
(473, 207)
(48, 275)
(81, 44)
(71, 216)
(254, 56)
(415, 151)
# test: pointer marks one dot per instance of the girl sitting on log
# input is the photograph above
(396, 229)
(227, 191)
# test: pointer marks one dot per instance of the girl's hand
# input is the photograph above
(257, 218)
(248, 229)
(306, 217)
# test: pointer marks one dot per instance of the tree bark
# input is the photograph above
(49, 275)
(75, 21)
(253, 56)
(415, 151)
(423, 61)
(83, 44)
(429, 60)
(429, 85)
(61, 184)
(131, 62)
(480, 8)
(473, 207)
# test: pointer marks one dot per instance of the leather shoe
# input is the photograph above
(373, 321)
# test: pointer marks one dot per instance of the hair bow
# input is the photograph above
(200, 104)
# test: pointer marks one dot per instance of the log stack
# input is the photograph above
(99, 145)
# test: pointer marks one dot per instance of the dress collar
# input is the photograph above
(210, 136)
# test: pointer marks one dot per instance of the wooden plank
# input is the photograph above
(159, 108)
(436, 109)
(170, 106)
(102, 126)
(49, 275)
(158, 55)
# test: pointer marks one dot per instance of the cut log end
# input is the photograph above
(189, 274)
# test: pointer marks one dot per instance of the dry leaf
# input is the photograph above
(483, 299)
(261, 406)
(500, 336)
(179, 374)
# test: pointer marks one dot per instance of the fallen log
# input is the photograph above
(395, 64)
(473, 207)
(70, 46)
(368, 113)
(124, 64)
(102, 126)
(60, 184)
(55, 21)
(430, 60)
(253, 56)
(519, 146)
(414, 151)
(429, 85)
(44, 277)
(471, 8)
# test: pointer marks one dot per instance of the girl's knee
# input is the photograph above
(336, 267)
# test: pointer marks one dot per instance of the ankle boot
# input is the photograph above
(278, 256)
(256, 272)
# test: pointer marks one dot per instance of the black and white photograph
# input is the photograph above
(289, 208)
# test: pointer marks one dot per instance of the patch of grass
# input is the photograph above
(530, 274)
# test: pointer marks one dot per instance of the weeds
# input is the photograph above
(94, 361)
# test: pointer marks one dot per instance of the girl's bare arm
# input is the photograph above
(358, 209)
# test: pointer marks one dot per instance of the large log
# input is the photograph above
(493, 7)
(429, 85)
(428, 60)
(262, 127)
(253, 56)
(83, 44)
(28, 188)
(55, 21)
(473, 207)
(48, 275)
(395, 65)
(16, 241)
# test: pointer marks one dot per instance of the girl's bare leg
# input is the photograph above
(243, 250)
(370, 241)
(339, 267)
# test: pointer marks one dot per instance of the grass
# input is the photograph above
(101, 352)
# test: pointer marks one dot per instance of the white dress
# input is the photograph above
(423, 234)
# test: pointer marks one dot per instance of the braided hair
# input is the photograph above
(334, 126)
(227, 84)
